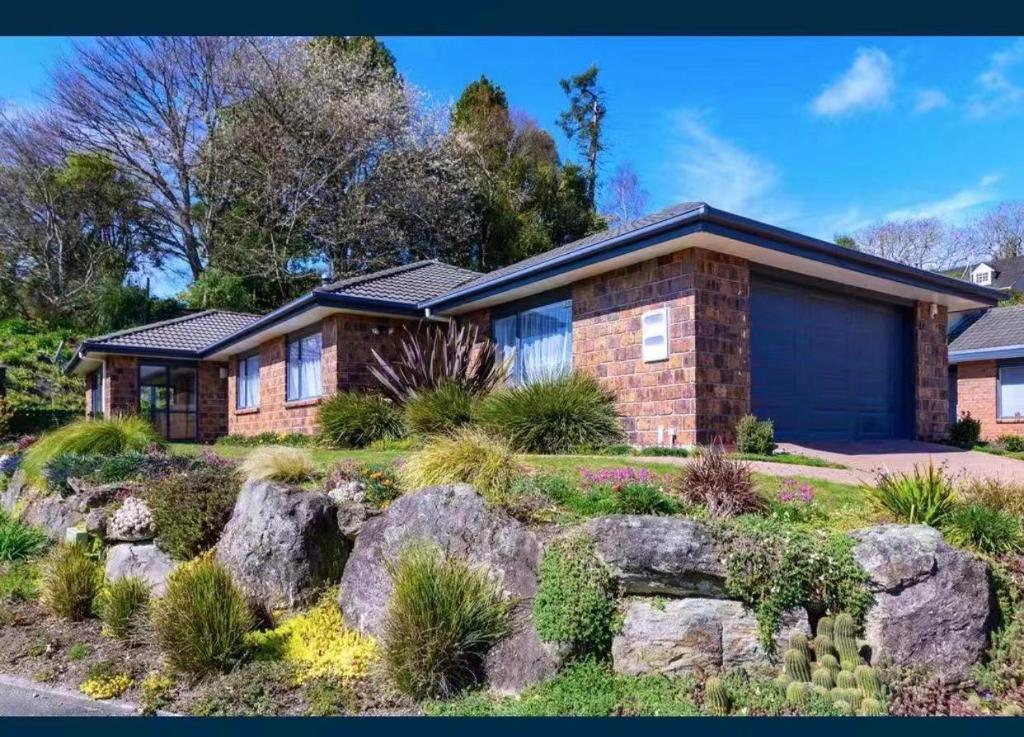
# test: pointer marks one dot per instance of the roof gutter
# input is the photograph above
(986, 354)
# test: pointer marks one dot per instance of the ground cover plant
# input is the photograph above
(19, 540)
(470, 456)
(354, 419)
(190, 509)
(279, 463)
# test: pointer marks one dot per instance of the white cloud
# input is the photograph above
(997, 93)
(867, 84)
(953, 207)
(710, 168)
(930, 99)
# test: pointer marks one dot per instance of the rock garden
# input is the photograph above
(478, 564)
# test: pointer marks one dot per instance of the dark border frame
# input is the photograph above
(168, 365)
(1000, 365)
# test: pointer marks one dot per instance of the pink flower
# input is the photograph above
(794, 491)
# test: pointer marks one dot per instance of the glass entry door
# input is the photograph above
(167, 397)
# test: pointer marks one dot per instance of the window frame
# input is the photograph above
(243, 361)
(1000, 365)
(516, 309)
(96, 392)
(298, 337)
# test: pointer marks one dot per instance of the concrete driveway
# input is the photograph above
(864, 458)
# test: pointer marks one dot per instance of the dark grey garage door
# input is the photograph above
(829, 366)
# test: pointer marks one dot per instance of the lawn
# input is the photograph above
(993, 450)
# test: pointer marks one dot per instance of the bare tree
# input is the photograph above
(998, 233)
(926, 243)
(151, 104)
(625, 200)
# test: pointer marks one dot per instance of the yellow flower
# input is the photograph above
(106, 687)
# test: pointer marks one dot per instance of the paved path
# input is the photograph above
(20, 697)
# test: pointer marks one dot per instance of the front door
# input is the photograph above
(167, 397)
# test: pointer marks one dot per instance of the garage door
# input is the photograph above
(829, 366)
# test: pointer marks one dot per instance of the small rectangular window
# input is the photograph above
(247, 383)
(1011, 391)
(96, 392)
(303, 375)
(537, 342)
(983, 277)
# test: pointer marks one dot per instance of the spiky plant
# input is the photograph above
(715, 697)
(826, 627)
(799, 642)
(871, 707)
(797, 666)
(437, 356)
(823, 677)
(797, 692)
(842, 707)
(926, 496)
(831, 662)
(845, 679)
(867, 681)
(823, 645)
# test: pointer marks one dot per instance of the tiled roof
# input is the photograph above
(999, 327)
(590, 240)
(191, 332)
(412, 283)
(1008, 271)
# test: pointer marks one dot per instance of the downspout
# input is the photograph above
(435, 318)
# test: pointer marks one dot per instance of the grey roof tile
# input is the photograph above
(997, 328)
(191, 332)
(1008, 271)
(412, 283)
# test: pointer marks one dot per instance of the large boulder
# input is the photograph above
(688, 636)
(51, 513)
(282, 544)
(456, 519)
(14, 492)
(934, 605)
(660, 555)
(145, 561)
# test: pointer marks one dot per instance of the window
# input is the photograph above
(247, 383)
(167, 398)
(1011, 391)
(984, 276)
(304, 377)
(96, 393)
(536, 341)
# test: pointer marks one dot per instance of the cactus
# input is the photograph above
(844, 626)
(799, 642)
(871, 708)
(822, 677)
(867, 681)
(842, 708)
(797, 666)
(823, 645)
(797, 692)
(846, 679)
(783, 681)
(715, 698)
(849, 664)
(825, 627)
(830, 662)
(853, 696)
(823, 692)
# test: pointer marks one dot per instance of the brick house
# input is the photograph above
(693, 317)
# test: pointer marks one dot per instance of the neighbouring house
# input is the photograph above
(693, 316)
(1005, 274)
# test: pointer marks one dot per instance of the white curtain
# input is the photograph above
(1011, 391)
(312, 383)
(249, 382)
(546, 341)
(505, 340)
(294, 370)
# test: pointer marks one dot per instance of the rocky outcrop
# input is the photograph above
(353, 510)
(659, 555)
(687, 636)
(933, 604)
(145, 561)
(50, 512)
(282, 544)
(456, 519)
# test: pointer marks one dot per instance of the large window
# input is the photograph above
(1011, 390)
(247, 383)
(167, 398)
(536, 340)
(304, 377)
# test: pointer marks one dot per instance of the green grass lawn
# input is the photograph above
(984, 448)
(794, 459)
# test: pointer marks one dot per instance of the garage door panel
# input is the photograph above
(828, 366)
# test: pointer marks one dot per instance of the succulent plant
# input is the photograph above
(822, 677)
(842, 708)
(798, 668)
(825, 693)
(846, 679)
(825, 627)
(797, 692)
(867, 681)
(831, 662)
(871, 707)
(853, 696)
(844, 626)
(849, 664)
(823, 645)
(799, 642)
(783, 681)
(715, 697)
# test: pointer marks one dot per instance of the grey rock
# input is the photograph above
(659, 555)
(13, 492)
(934, 605)
(51, 513)
(689, 636)
(96, 523)
(145, 561)
(90, 496)
(348, 492)
(456, 519)
(352, 516)
(282, 544)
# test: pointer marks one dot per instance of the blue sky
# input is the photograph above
(816, 134)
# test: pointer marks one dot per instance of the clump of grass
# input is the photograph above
(719, 484)
(442, 618)
(1007, 496)
(111, 436)
(279, 463)
(554, 415)
(356, 419)
(122, 604)
(983, 528)
(439, 411)
(19, 581)
(202, 621)
(79, 651)
(469, 456)
(18, 540)
(71, 581)
(924, 497)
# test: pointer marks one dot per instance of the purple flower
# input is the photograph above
(616, 478)
(796, 492)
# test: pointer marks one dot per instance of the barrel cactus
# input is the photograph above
(844, 626)
(715, 697)
(825, 627)
(842, 708)
(799, 642)
(831, 662)
(797, 692)
(823, 645)
(822, 677)
(783, 681)
(798, 668)
(871, 708)
(845, 679)
(867, 681)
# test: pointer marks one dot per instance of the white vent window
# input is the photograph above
(983, 277)
(655, 335)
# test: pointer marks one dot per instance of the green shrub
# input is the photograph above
(202, 620)
(556, 415)
(575, 600)
(356, 419)
(79, 651)
(442, 618)
(664, 452)
(468, 456)
(1011, 443)
(755, 436)
(996, 493)
(723, 486)
(18, 540)
(121, 605)
(266, 438)
(279, 463)
(190, 509)
(965, 432)
(439, 411)
(19, 581)
(71, 581)
(628, 490)
(109, 436)
(101, 469)
(987, 529)
(922, 497)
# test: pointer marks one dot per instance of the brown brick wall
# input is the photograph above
(212, 402)
(932, 379)
(976, 387)
(121, 386)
